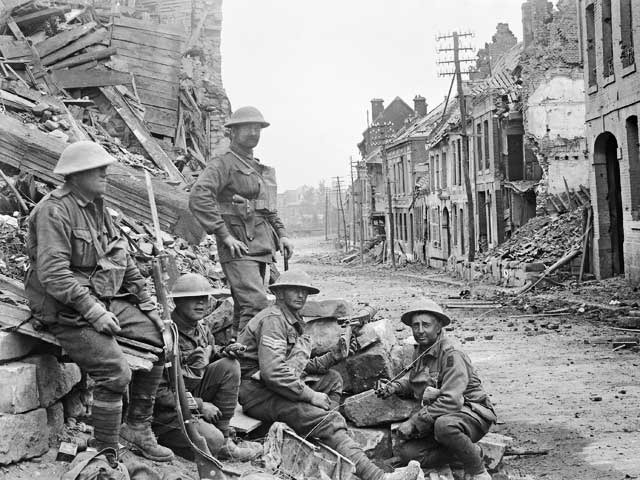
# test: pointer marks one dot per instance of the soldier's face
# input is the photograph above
(192, 308)
(246, 135)
(293, 297)
(92, 182)
(426, 328)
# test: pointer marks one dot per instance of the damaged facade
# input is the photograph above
(609, 40)
(526, 141)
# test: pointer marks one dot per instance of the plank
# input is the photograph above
(60, 40)
(13, 316)
(155, 99)
(163, 130)
(144, 67)
(168, 89)
(161, 116)
(12, 49)
(151, 54)
(146, 39)
(90, 78)
(15, 101)
(40, 15)
(98, 36)
(140, 132)
(243, 423)
(84, 58)
(171, 31)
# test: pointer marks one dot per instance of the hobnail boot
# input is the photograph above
(140, 438)
(410, 472)
(240, 452)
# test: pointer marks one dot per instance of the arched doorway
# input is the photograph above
(446, 233)
(610, 228)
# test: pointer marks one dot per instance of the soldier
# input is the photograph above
(455, 410)
(213, 384)
(235, 199)
(84, 286)
(274, 367)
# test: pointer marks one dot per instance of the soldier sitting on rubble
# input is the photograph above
(85, 287)
(214, 384)
(455, 410)
(274, 368)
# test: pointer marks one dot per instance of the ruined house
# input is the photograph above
(609, 38)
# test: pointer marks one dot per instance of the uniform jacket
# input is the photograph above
(236, 195)
(62, 256)
(451, 371)
(274, 339)
(195, 355)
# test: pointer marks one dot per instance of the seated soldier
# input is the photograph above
(274, 365)
(213, 385)
(456, 412)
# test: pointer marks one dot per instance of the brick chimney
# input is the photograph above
(377, 107)
(420, 106)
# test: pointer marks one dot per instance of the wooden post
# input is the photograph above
(392, 236)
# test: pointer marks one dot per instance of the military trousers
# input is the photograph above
(452, 439)
(247, 280)
(307, 420)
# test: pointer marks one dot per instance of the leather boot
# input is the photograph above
(139, 437)
(410, 472)
(240, 452)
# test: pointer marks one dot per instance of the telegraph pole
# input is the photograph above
(353, 206)
(463, 120)
(344, 220)
(326, 213)
(392, 235)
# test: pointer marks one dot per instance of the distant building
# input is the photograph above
(609, 33)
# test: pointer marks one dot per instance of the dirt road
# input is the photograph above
(554, 388)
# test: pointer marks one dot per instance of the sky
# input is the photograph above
(312, 68)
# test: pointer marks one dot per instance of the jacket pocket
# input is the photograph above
(81, 248)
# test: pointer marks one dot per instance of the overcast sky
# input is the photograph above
(312, 68)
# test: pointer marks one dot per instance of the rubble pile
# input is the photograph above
(542, 239)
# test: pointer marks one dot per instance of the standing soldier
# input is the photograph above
(235, 199)
(84, 286)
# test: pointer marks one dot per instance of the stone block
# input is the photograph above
(368, 410)
(402, 355)
(325, 333)
(24, 435)
(55, 422)
(328, 308)
(493, 447)
(15, 345)
(634, 313)
(19, 388)
(361, 371)
(54, 379)
(376, 442)
(381, 332)
(629, 322)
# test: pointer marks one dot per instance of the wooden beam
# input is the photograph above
(41, 15)
(90, 78)
(84, 58)
(171, 31)
(36, 152)
(147, 39)
(98, 36)
(61, 40)
(160, 158)
(16, 102)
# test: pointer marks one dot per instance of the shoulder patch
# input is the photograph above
(450, 361)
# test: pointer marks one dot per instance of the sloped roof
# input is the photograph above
(501, 78)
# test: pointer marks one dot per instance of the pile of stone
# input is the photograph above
(543, 239)
(33, 397)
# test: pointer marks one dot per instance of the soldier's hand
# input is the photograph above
(233, 350)
(320, 400)
(385, 388)
(286, 247)
(154, 316)
(107, 323)
(405, 430)
(210, 412)
(237, 247)
(429, 396)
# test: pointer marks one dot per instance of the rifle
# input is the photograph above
(209, 468)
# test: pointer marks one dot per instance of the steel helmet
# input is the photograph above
(81, 156)
(295, 278)
(425, 305)
(246, 115)
(191, 285)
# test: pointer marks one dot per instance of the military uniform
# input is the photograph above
(461, 414)
(80, 269)
(236, 195)
(273, 387)
(216, 382)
